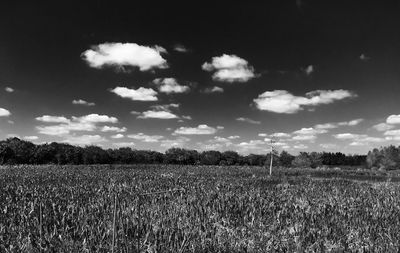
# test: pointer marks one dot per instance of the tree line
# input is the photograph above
(17, 151)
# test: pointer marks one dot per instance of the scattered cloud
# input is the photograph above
(140, 94)
(199, 130)
(9, 89)
(31, 138)
(146, 138)
(358, 139)
(117, 136)
(64, 126)
(82, 102)
(84, 140)
(122, 55)
(251, 121)
(178, 142)
(157, 115)
(328, 145)
(214, 89)
(353, 122)
(170, 85)
(309, 70)
(4, 112)
(181, 48)
(281, 101)
(135, 113)
(300, 146)
(233, 137)
(363, 57)
(326, 126)
(113, 129)
(310, 130)
(280, 135)
(123, 144)
(230, 68)
(304, 137)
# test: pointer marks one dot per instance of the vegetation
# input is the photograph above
(16, 151)
(216, 209)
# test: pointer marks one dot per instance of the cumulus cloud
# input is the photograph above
(157, 115)
(393, 119)
(280, 135)
(328, 145)
(353, 122)
(304, 137)
(117, 136)
(326, 126)
(214, 89)
(122, 55)
(281, 101)
(381, 127)
(230, 68)
(310, 130)
(199, 130)
(84, 140)
(170, 85)
(248, 120)
(146, 138)
(82, 102)
(4, 112)
(233, 137)
(178, 142)
(113, 129)
(140, 94)
(64, 125)
(9, 89)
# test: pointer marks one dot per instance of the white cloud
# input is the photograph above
(280, 135)
(113, 129)
(393, 132)
(251, 121)
(304, 137)
(233, 137)
(357, 139)
(146, 138)
(363, 57)
(53, 119)
(140, 94)
(353, 122)
(135, 112)
(309, 70)
(214, 89)
(125, 55)
(328, 145)
(157, 115)
(393, 119)
(64, 126)
(84, 140)
(383, 127)
(31, 138)
(4, 112)
(9, 89)
(230, 68)
(310, 131)
(220, 127)
(123, 144)
(262, 134)
(281, 101)
(170, 85)
(325, 126)
(117, 136)
(181, 48)
(199, 130)
(82, 102)
(178, 142)
(300, 146)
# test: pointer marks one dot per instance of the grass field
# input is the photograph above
(197, 209)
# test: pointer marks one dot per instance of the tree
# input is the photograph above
(231, 157)
(210, 157)
(302, 160)
(286, 159)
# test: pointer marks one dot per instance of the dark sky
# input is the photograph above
(324, 75)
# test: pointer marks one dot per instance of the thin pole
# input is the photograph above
(272, 157)
(115, 214)
(138, 231)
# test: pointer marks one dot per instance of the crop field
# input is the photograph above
(165, 208)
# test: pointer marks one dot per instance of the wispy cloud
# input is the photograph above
(248, 120)
(82, 102)
(199, 130)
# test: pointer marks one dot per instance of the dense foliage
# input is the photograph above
(219, 209)
(387, 158)
(16, 151)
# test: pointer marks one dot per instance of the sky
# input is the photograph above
(310, 75)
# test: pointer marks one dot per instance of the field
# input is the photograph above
(197, 209)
